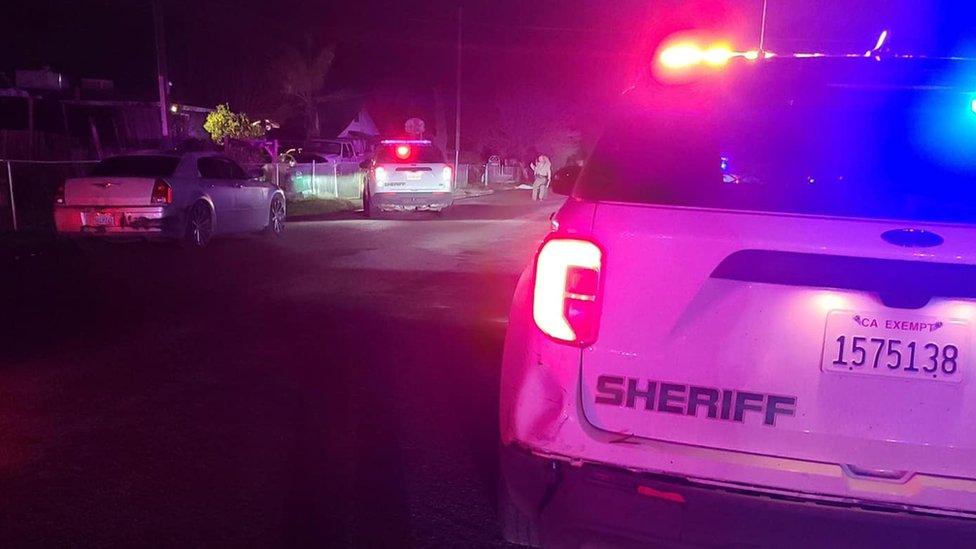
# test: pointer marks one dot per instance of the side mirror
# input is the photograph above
(256, 173)
(365, 164)
(564, 180)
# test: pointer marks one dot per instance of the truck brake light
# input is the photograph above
(566, 298)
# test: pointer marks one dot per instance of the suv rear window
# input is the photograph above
(136, 166)
(418, 154)
(814, 146)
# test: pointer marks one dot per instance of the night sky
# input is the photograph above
(222, 50)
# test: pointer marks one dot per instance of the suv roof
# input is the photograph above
(848, 137)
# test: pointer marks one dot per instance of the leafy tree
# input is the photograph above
(525, 122)
(302, 73)
(223, 124)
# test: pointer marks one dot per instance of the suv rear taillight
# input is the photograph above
(59, 195)
(566, 297)
(162, 193)
(446, 174)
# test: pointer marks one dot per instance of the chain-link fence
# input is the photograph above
(321, 180)
(496, 174)
(27, 189)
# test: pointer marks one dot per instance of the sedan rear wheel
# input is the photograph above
(276, 217)
(199, 225)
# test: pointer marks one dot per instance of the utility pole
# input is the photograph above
(161, 78)
(457, 105)
(762, 30)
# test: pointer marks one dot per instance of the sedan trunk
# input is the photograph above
(108, 191)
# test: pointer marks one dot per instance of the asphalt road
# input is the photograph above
(335, 386)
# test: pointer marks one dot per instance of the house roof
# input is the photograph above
(389, 109)
(335, 116)
(392, 107)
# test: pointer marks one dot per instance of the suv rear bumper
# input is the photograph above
(575, 506)
(412, 200)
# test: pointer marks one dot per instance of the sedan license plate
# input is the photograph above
(881, 344)
(99, 219)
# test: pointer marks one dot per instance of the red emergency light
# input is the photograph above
(687, 54)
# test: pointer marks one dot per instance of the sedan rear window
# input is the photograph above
(136, 166)
(888, 151)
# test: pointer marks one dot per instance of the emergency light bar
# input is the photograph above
(685, 55)
(684, 51)
(405, 142)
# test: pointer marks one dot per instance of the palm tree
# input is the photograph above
(302, 73)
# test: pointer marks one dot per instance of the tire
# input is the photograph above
(276, 217)
(517, 527)
(199, 225)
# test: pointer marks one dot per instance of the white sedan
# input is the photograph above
(189, 197)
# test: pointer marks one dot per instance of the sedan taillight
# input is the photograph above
(162, 193)
(566, 298)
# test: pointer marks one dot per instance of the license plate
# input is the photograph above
(414, 176)
(891, 345)
(99, 219)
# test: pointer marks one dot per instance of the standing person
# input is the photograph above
(542, 169)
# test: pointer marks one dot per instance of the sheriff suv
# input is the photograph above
(408, 175)
(752, 324)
